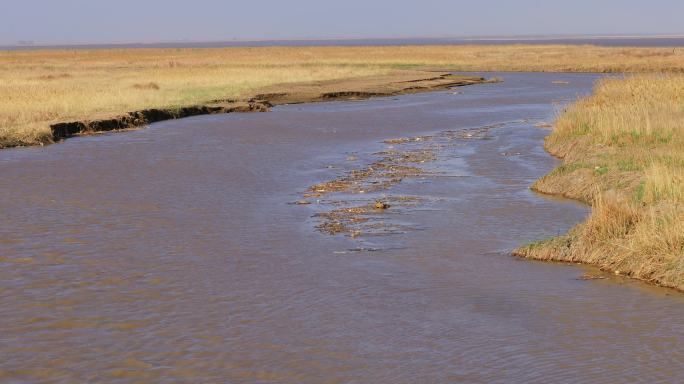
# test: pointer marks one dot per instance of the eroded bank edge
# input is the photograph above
(259, 103)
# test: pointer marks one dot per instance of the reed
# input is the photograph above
(623, 150)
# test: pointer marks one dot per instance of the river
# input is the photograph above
(177, 253)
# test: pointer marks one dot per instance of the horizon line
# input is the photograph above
(29, 44)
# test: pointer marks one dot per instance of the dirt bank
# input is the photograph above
(397, 83)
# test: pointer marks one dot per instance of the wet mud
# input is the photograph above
(61, 131)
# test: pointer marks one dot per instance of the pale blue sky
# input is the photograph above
(125, 21)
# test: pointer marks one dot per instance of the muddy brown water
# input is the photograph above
(174, 254)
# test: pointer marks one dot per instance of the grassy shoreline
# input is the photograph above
(623, 153)
(396, 83)
(45, 87)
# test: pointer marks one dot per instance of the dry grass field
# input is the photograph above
(623, 151)
(40, 88)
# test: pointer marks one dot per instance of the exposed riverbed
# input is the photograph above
(178, 253)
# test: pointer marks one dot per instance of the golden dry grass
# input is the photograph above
(39, 88)
(623, 151)
(45, 87)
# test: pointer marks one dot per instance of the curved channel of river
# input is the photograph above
(175, 254)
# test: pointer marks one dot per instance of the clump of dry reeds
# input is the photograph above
(623, 151)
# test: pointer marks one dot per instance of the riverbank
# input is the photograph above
(623, 153)
(396, 83)
(43, 88)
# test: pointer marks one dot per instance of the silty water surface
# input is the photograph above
(173, 254)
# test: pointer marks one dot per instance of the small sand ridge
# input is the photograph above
(358, 203)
